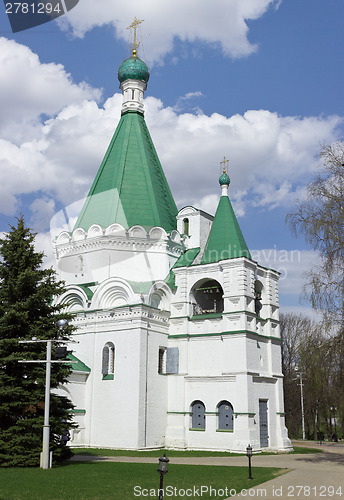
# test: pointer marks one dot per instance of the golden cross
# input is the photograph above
(224, 163)
(134, 25)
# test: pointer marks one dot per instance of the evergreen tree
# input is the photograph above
(27, 310)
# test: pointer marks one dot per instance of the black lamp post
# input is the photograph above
(162, 469)
(249, 454)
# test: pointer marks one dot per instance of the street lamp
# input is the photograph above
(61, 324)
(46, 463)
(299, 375)
(162, 469)
(45, 455)
(249, 455)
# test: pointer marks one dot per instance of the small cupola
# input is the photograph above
(133, 68)
(225, 240)
(133, 76)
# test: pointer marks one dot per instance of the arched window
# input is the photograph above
(225, 416)
(186, 226)
(197, 415)
(108, 361)
(208, 298)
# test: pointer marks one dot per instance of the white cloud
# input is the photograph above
(43, 244)
(185, 99)
(291, 264)
(263, 171)
(29, 89)
(225, 24)
(306, 311)
(270, 156)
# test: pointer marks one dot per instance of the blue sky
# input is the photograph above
(257, 81)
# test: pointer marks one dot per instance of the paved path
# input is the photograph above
(310, 476)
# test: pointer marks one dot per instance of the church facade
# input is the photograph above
(177, 327)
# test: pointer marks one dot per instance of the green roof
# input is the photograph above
(79, 366)
(130, 187)
(187, 258)
(141, 286)
(88, 291)
(225, 240)
(171, 280)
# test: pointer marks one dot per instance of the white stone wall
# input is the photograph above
(132, 255)
(234, 356)
(199, 226)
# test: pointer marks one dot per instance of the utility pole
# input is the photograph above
(299, 377)
(46, 461)
(302, 409)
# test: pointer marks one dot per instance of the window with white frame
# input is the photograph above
(225, 416)
(108, 361)
(197, 415)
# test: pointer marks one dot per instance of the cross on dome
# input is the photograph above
(225, 164)
(134, 26)
(224, 179)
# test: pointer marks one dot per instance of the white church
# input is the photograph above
(177, 327)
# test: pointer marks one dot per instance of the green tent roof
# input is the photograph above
(130, 187)
(225, 240)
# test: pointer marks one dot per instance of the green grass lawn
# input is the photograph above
(117, 481)
(303, 450)
(172, 453)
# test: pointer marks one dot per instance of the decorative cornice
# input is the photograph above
(211, 378)
(132, 311)
(117, 238)
(220, 334)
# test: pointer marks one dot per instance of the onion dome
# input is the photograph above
(133, 68)
(224, 180)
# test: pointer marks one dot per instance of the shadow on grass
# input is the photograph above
(335, 458)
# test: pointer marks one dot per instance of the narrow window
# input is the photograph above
(225, 416)
(133, 94)
(258, 287)
(197, 415)
(186, 226)
(108, 361)
(162, 360)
